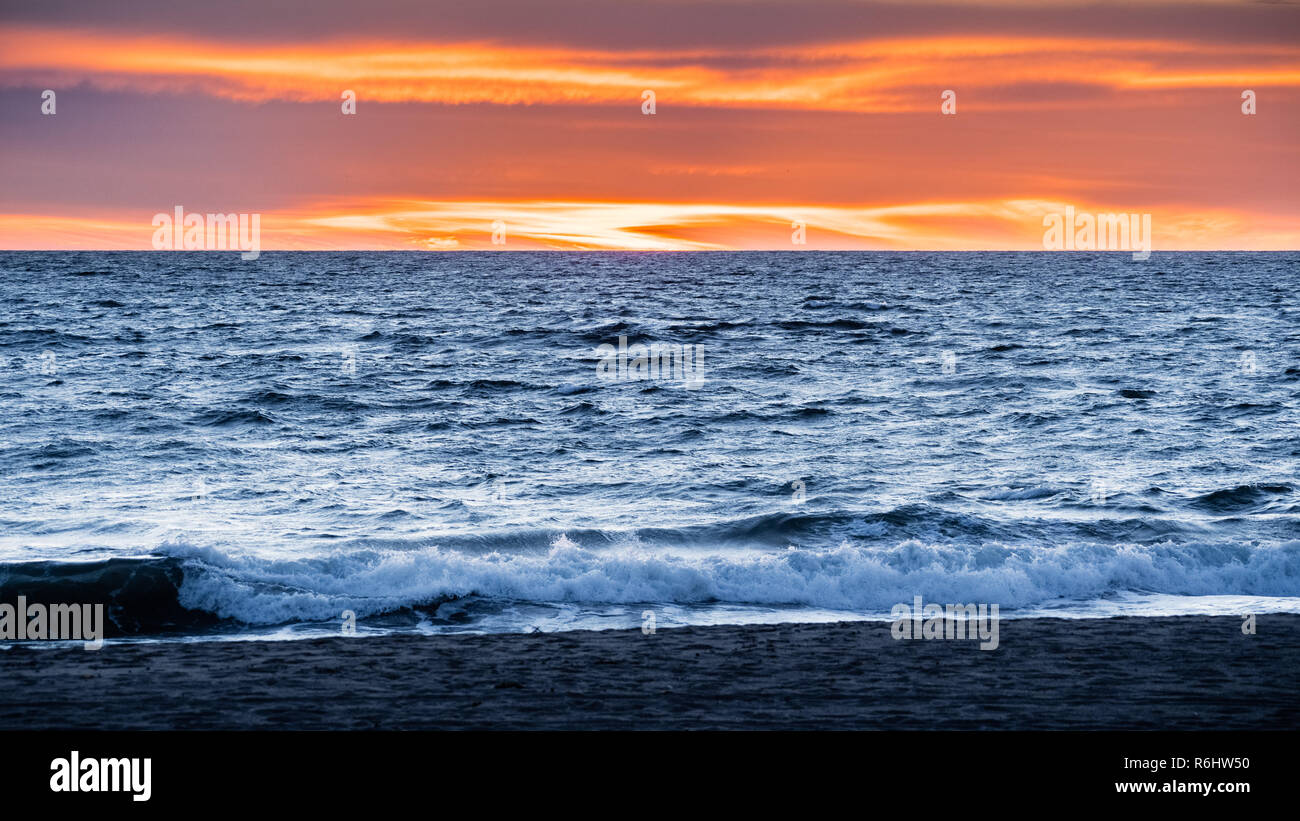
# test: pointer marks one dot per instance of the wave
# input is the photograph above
(216, 418)
(708, 326)
(842, 324)
(141, 596)
(1241, 498)
(193, 588)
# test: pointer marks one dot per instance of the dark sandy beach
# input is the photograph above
(1183, 673)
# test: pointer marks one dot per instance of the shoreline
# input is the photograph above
(1141, 673)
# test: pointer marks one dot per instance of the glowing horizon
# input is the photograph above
(837, 126)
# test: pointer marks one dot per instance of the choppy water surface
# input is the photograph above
(223, 447)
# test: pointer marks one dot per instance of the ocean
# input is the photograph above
(218, 448)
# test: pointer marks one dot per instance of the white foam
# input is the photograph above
(260, 590)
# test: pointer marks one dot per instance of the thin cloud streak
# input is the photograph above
(863, 76)
(640, 226)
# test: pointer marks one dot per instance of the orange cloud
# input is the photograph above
(754, 134)
(640, 226)
(876, 75)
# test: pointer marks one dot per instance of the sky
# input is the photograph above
(820, 120)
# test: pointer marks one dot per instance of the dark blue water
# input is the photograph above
(215, 446)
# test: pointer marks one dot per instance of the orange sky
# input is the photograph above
(827, 114)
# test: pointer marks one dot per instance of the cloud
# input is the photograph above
(876, 75)
(667, 226)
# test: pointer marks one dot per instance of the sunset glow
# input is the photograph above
(835, 126)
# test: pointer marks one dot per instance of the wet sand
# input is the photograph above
(1187, 673)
